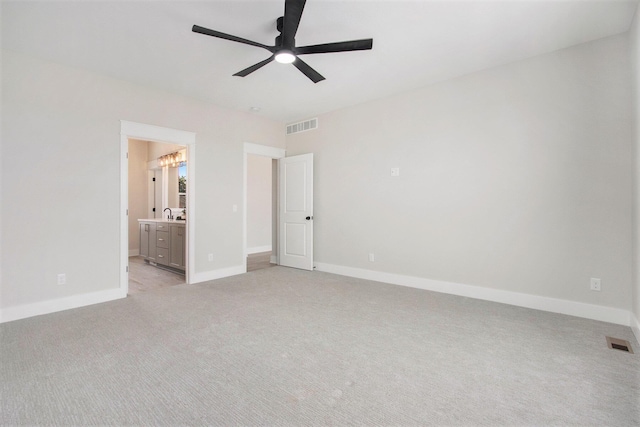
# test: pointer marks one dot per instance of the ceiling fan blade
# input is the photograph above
(253, 68)
(213, 33)
(364, 44)
(307, 70)
(292, 15)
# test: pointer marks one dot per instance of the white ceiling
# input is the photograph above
(415, 43)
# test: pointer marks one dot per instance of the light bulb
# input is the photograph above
(285, 57)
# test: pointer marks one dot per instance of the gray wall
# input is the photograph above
(634, 35)
(518, 178)
(259, 202)
(61, 176)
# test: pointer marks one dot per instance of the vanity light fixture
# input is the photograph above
(171, 160)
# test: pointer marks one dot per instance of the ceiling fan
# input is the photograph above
(285, 50)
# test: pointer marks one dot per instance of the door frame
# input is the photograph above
(265, 151)
(156, 134)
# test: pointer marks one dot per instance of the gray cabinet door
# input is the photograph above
(148, 240)
(177, 241)
(144, 239)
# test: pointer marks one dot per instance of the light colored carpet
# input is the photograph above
(285, 347)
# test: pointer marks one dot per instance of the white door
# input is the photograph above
(296, 212)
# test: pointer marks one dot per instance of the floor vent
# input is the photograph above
(302, 126)
(618, 344)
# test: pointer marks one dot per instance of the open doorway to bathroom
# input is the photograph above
(157, 197)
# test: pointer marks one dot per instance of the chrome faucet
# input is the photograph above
(170, 216)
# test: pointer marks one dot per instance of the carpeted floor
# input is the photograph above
(286, 347)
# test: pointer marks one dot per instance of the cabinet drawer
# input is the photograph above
(162, 227)
(162, 256)
(163, 239)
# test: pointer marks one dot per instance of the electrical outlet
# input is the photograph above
(62, 279)
(595, 284)
(395, 171)
(234, 208)
(210, 257)
(372, 257)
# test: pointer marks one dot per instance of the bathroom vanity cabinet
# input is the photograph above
(162, 242)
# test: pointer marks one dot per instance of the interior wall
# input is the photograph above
(259, 203)
(138, 191)
(634, 36)
(71, 213)
(517, 178)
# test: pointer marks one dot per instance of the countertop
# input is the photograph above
(166, 221)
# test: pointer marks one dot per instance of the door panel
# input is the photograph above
(296, 211)
(296, 240)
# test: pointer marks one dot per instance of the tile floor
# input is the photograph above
(144, 277)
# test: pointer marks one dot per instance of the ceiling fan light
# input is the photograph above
(285, 57)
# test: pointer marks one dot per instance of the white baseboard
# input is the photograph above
(259, 249)
(134, 252)
(51, 306)
(205, 276)
(572, 308)
(635, 327)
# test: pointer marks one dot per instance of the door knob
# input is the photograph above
(309, 218)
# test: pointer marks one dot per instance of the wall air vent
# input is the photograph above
(302, 126)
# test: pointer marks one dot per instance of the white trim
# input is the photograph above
(51, 306)
(259, 249)
(264, 150)
(206, 276)
(157, 134)
(259, 150)
(572, 308)
(635, 327)
(191, 212)
(274, 259)
(124, 207)
(134, 252)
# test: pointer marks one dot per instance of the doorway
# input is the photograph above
(261, 211)
(157, 206)
(260, 231)
(155, 134)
